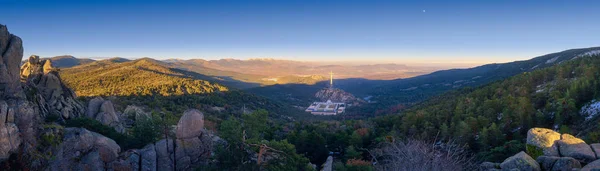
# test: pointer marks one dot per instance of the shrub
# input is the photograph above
(415, 155)
(533, 151)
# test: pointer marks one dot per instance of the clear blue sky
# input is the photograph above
(401, 31)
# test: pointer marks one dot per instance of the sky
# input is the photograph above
(308, 30)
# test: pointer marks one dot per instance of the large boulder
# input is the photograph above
(104, 112)
(566, 164)
(570, 146)
(596, 148)
(595, 165)
(11, 52)
(9, 140)
(190, 125)
(547, 162)
(520, 161)
(148, 154)
(94, 107)
(165, 154)
(107, 114)
(543, 139)
(192, 151)
(84, 150)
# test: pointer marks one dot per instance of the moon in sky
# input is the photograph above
(423, 10)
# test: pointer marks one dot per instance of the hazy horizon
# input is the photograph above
(464, 32)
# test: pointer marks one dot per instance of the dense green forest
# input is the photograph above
(496, 116)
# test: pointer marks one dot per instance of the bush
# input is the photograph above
(96, 126)
(415, 155)
(533, 151)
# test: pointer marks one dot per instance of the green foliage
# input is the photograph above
(533, 151)
(351, 153)
(248, 134)
(256, 123)
(499, 153)
(96, 126)
(144, 132)
(485, 117)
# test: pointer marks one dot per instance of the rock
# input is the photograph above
(520, 161)
(570, 146)
(47, 66)
(136, 112)
(9, 140)
(566, 164)
(195, 150)
(337, 95)
(190, 124)
(488, 166)
(148, 154)
(128, 161)
(107, 114)
(91, 161)
(328, 165)
(165, 154)
(547, 162)
(3, 112)
(94, 107)
(596, 148)
(53, 97)
(595, 165)
(11, 53)
(544, 139)
(84, 150)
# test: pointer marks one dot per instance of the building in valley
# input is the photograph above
(328, 107)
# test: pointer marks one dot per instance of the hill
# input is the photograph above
(139, 77)
(411, 90)
(67, 61)
(492, 117)
(148, 82)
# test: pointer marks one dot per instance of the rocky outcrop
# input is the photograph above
(566, 163)
(48, 92)
(592, 166)
(84, 150)
(543, 139)
(547, 162)
(104, 112)
(558, 152)
(338, 95)
(520, 161)
(570, 146)
(193, 144)
(18, 117)
(11, 52)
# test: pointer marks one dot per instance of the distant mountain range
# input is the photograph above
(386, 94)
(260, 72)
(296, 82)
